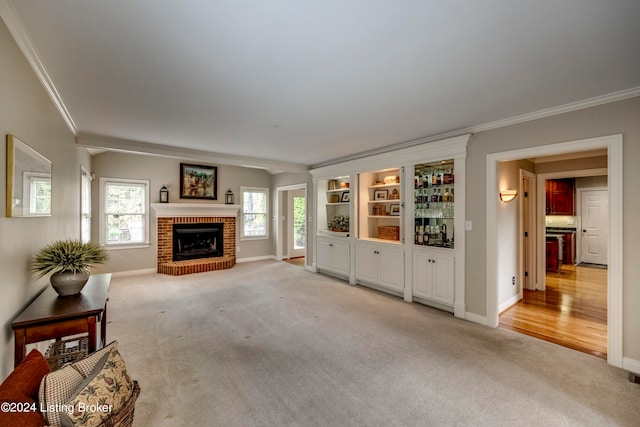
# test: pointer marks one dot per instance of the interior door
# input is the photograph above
(297, 223)
(595, 226)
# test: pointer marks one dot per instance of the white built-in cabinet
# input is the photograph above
(333, 255)
(406, 210)
(381, 265)
(433, 276)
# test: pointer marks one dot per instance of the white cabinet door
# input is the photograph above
(340, 257)
(323, 259)
(333, 255)
(391, 268)
(367, 262)
(433, 276)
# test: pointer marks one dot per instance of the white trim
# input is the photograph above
(508, 303)
(631, 365)
(614, 146)
(172, 210)
(101, 221)
(476, 318)
(267, 230)
(256, 258)
(16, 28)
(278, 220)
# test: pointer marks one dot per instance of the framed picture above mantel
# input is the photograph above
(198, 182)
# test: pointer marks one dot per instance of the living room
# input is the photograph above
(27, 111)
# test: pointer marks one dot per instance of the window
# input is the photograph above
(255, 212)
(124, 218)
(85, 206)
(37, 191)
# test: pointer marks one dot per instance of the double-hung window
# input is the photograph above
(124, 212)
(85, 206)
(255, 213)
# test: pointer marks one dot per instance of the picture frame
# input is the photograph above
(380, 194)
(29, 184)
(198, 182)
(345, 197)
(394, 209)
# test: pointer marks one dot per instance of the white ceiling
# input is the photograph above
(308, 82)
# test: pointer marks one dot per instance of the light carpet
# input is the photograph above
(269, 344)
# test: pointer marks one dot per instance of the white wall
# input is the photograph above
(27, 112)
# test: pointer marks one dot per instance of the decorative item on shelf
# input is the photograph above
(380, 194)
(389, 232)
(70, 261)
(508, 195)
(228, 197)
(334, 198)
(332, 184)
(339, 223)
(344, 184)
(392, 179)
(378, 210)
(164, 195)
(345, 197)
(395, 210)
(394, 195)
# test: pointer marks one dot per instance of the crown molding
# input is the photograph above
(139, 147)
(540, 114)
(16, 28)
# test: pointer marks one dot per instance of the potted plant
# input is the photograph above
(70, 261)
(339, 223)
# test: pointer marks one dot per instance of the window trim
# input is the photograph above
(85, 175)
(102, 223)
(264, 190)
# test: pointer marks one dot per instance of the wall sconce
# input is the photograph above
(228, 197)
(164, 195)
(508, 195)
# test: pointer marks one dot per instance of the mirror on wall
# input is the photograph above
(28, 180)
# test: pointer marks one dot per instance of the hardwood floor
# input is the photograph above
(572, 312)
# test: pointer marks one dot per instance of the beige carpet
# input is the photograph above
(270, 344)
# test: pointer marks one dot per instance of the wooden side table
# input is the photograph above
(52, 317)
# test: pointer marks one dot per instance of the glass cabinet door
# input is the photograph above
(434, 201)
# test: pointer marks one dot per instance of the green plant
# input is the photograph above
(71, 256)
(339, 222)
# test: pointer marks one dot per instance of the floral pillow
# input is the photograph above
(101, 395)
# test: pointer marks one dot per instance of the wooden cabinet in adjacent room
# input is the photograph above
(560, 196)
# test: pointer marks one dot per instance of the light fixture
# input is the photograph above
(228, 197)
(508, 195)
(164, 195)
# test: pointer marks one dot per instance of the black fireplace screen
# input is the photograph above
(193, 241)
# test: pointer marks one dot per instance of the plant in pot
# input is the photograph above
(339, 223)
(70, 261)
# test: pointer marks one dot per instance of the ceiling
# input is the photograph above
(309, 82)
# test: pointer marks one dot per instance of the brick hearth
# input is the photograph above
(166, 265)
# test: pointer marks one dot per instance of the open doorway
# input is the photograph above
(292, 224)
(496, 230)
(569, 306)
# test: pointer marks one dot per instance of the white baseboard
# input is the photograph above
(256, 258)
(631, 365)
(475, 318)
(134, 272)
(508, 303)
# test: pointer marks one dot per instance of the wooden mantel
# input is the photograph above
(173, 210)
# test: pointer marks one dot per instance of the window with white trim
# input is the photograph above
(85, 206)
(124, 217)
(255, 213)
(37, 193)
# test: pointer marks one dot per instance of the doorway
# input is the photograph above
(291, 214)
(613, 146)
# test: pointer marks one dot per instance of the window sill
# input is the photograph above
(126, 246)
(249, 238)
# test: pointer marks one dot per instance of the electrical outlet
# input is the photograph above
(513, 280)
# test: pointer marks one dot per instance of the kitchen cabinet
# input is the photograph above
(568, 248)
(560, 196)
(333, 255)
(433, 276)
(380, 264)
(552, 254)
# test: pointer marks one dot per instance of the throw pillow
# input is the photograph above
(59, 386)
(19, 391)
(101, 395)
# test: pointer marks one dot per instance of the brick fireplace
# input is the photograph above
(169, 214)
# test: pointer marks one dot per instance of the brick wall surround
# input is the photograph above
(166, 265)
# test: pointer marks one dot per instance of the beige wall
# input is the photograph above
(27, 112)
(615, 118)
(166, 171)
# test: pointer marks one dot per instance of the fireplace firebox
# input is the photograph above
(194, 241)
